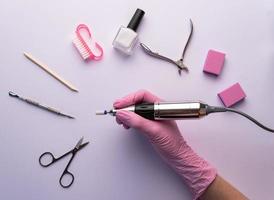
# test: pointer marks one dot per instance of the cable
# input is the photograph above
(251, 119)
(213, 109)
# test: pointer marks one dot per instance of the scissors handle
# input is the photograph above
(67, 178)
(66, 175)
(48, 159)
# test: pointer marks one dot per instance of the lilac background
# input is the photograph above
(120, 164)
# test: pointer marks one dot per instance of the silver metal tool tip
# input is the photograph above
(70, 117)
(12, 94)
(79, 143)
(101, 112)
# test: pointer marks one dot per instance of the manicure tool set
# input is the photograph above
(125, 42)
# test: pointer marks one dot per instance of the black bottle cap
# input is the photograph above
(136, 19)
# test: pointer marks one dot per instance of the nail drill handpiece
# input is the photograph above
(164, 110)
(179, 110)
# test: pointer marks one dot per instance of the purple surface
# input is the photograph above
(120, 164)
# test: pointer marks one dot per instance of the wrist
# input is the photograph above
(196, 172)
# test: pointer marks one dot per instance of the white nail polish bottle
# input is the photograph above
(126, 38)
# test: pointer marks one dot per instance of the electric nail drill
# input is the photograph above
(177, 111)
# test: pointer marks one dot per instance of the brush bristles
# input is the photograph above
(82, 50)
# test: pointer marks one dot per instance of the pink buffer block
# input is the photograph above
(214, 62)
(232, 95)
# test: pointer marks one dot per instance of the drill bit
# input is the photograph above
(114, 111)
(105, 112)
(101, 112)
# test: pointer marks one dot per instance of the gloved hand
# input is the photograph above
(168, 142)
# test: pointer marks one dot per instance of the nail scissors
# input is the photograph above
(47, 159)
(179, 63)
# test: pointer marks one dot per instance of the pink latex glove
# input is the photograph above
(168, 142)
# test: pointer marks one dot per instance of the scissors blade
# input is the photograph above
(83, 145)
(79, 143)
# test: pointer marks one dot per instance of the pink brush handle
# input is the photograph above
(92, 56)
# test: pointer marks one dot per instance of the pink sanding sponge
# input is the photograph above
(232, 95)
(214, 62)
